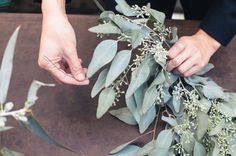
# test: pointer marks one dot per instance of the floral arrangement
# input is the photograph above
(24, 115)
(199, 114)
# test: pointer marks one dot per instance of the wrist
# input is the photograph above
(53, 8)
(202, 35)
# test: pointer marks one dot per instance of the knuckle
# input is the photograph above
(175, 62)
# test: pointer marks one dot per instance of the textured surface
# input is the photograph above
(68, 112)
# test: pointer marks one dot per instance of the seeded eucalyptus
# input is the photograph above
(199, 115)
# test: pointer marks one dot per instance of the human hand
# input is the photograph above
(58, 54)
(191, 53)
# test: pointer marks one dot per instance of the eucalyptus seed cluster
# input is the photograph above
(140, 11)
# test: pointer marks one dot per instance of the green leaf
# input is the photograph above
(218, 128)
(33, 125)
(7, 65)
(7, 152)
(103, 54)
(32, 93)
(145, 150)
(139, 76)
(107, 28)
(163, 143)
(205, 69)
(205, 105)
(171, 121)
(138, 35)
(139, 96)
(176, 103)
(149, 99)
(106, 99)
(199, 149)
(212, 91)
(147, 119)
(6, 128)
(124, 115)
(124, 8)
(131, 104)
(121, 147)
(119, 64)
(129, 150)
(105, 16)
(202, 120)
(195, 79)
(157, 15)
(100, 83)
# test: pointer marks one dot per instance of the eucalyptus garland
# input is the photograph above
(199, 114)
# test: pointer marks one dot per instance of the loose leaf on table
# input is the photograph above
(100, 83)
(124, 115)
(212, 91)
(103, 54)
(7, 65)
(32, 93)
(7, 152)
(129, 150)
(106, 99)
(199, 149)
(107, 28)
(119, 64)
(146, 119)
(33, 125)
(124, 8)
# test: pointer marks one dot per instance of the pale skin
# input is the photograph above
(58, 54)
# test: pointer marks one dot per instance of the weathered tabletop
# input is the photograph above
(68, 112)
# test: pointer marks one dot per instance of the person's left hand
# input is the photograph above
(190, 53)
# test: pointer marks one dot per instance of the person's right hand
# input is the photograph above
(58, 54)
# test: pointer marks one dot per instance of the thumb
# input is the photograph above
(75, 66)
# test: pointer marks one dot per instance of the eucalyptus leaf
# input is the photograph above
(32, 93)
(105, 16)
(149, 99)
(106, 99)
(176, 103)
(103, 54)
(124, 115)
(100, 83)
(171, 121)
(119, 64)
(121, 147)
(205, 69)
(145, 150)
(157, 15)
(138, 35)
(129, 150)
(139, 96)
(7, 152)
(124, 8)
(212, 91)
(202, 122)
(199, 149)
(217, 128)
(107, 28)
(7, 65)
(33, 125)
(146, 119)
(131, 104)
(5, 128)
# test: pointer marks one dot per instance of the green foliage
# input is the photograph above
(199, 114)
(23, 115)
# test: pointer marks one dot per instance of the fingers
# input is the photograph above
(65, 78)
(75, 65)
(192, 70)
(176, 49)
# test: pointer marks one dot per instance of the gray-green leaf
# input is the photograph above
(119, 64)
(103, 54)
(107, 28)
(212, 91)
(147, 119)
(157, 15)
(202, 119)
(7, 152)
(124, 115)
(106, 99)
(7, 65)
(100, 83)
(125, 8)
(129, 150)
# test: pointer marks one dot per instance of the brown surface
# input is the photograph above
(68, 112)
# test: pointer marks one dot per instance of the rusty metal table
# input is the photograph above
(68, 112)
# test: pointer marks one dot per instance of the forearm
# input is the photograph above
(53, 8)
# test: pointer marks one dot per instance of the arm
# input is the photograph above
(218, 27)
(58, 54)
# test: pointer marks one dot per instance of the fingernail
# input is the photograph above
(81, 76)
